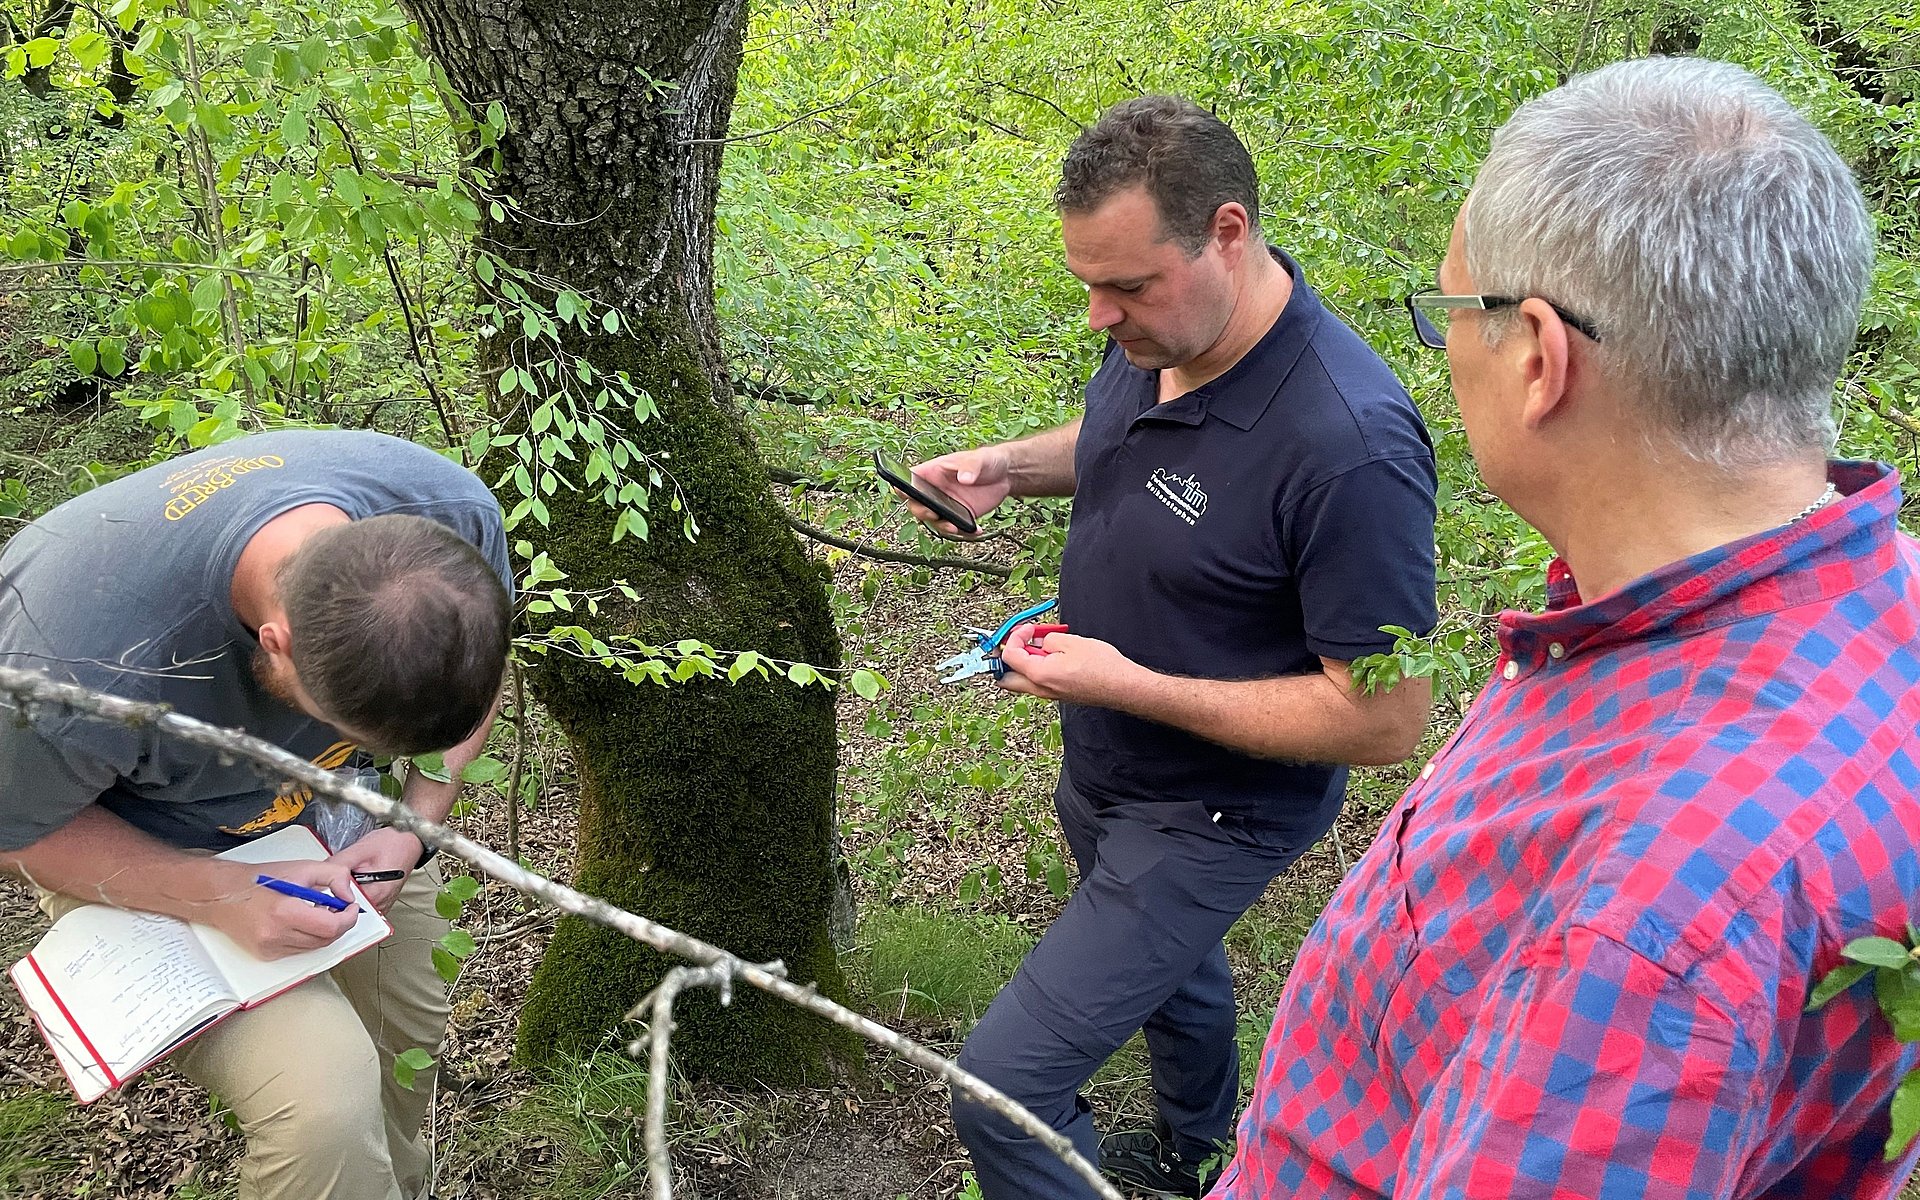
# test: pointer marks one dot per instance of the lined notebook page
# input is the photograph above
(133, 982)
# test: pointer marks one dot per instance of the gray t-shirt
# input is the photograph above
(126, 589)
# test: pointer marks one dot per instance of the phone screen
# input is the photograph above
(896, 473)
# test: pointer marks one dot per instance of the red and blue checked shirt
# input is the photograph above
(1573, 963)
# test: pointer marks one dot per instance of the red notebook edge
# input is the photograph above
(72, 1024)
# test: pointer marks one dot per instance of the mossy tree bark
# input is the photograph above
(704, 805)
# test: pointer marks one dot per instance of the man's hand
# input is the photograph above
(381, 850)
(979, 478)
(269, 925)
(1078, 670)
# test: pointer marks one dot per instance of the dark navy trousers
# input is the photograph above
(1138, 947)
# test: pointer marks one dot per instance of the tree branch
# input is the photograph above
(658, 1010)
(33, 691)
(748, 137)
(868, 550)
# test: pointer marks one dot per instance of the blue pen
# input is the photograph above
(302, 893)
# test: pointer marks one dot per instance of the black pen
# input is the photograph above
(378, 876)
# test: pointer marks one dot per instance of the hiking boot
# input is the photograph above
(1141, 1160)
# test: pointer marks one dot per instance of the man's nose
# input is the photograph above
(1102, 314)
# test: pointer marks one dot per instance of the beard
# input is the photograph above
(281, 685)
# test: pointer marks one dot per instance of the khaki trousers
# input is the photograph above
(309, 1074)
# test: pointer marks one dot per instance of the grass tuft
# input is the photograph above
(920, 962)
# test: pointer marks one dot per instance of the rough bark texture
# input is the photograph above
(705, 806)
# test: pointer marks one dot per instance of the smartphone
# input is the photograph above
(896, 473)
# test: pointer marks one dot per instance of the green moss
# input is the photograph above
(706, 806)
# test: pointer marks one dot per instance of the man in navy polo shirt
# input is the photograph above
(1253, 499)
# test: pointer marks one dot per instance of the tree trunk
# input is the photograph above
(705, 805)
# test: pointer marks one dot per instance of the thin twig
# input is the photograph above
(868, 550)
(659, 1033)
(748, 137)
(449, 425)
(519, 758)
(33, 690)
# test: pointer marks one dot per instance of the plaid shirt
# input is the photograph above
(1573, 963)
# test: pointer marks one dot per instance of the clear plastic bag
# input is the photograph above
(338, 823)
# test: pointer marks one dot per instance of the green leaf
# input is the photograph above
(447, 966)
(24, 244)
(610, 321)
(1836, 981)
(1057, 877)
(1899, 995)
(1906, 1115)
(89, 49)
(313, 53)
(85, 357)
(433, 766)
(409, 1064)
(462, 887)
(40, 51)
(802, 674)
(1876, 951)
(446, 904)
(866, 684)
(293, 127)
(457, 942)
(113, 357)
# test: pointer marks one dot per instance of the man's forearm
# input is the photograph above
(1306, 718)
(99, 858)
(1042, 465)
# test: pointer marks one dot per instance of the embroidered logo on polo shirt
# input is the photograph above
(1182, 494)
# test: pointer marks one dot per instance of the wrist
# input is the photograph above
(1129, 689)
(425, 852)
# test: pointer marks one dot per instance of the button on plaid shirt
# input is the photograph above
(1574, 962)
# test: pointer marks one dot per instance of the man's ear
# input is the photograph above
(276, 639)
(1232, 230)
(1539, 339)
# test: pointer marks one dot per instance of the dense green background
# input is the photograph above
(266, 216)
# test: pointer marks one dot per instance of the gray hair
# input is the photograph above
(1712, 236)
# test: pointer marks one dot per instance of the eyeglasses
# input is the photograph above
(1435, 336)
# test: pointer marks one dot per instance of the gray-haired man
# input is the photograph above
(1578, 959)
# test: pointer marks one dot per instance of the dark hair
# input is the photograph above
(1187, 158)
(399, 630)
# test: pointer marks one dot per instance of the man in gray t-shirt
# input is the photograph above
(329, 592)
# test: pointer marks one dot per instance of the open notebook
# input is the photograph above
(115, 991)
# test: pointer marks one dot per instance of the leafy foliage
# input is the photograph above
(1896, 988)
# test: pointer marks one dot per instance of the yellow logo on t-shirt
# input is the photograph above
(195, 486)
(289, 804)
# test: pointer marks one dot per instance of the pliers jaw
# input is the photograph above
(984, 657)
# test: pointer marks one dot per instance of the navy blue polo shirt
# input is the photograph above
(1280, 514)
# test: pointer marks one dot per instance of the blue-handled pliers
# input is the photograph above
(984, 657)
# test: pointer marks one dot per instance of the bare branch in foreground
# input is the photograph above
(33, 691)
(658, 1006)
